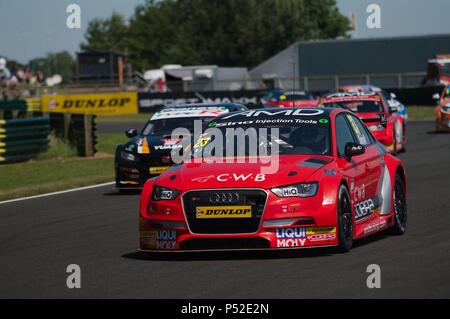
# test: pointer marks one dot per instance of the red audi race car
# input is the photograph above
(393, 103)
(373, 109)
(318, 179)
(443, 110)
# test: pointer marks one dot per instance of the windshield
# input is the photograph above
(166, 126)
(358, 106)
(310, 137)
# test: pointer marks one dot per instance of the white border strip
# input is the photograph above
(57, 193)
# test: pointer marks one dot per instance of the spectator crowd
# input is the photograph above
(17, 83)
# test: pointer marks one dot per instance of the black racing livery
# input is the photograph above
(148, 153)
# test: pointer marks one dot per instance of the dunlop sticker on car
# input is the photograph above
(158, 170)
(209, 212)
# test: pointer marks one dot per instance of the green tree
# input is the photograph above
(106, 34)
(61, 63)
(155, 35)
(223, 32)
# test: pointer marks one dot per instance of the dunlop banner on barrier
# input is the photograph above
(95, 104)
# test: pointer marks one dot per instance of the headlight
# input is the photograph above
(163, 193)
(128, 156)
(376, 128)
(299, 190)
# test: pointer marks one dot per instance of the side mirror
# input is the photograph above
(353, 149)
(383, 120)
(436, 96)
(393, 109)
(131, 133)
(393, 96)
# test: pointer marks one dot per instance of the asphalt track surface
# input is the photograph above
(97, 229)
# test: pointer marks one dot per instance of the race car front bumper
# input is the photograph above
(386, 137)
(443, 122)
(382, 137)
(134, 174)
(175, 236)
(258, 220)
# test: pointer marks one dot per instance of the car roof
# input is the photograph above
(199, 110)
(289, 92)
(229, 106)
(296, 92)
(362, 87)
(355, 95)
(359, 93)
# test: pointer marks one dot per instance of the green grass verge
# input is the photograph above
(59, 169)
(417, 113)
(33, 178)
(57, 149)
(107, 143)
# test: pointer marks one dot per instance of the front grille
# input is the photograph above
(154, 160)
(254, 198)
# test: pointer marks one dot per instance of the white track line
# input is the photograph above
(57, 193)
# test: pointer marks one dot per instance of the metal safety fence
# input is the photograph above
(308, 83)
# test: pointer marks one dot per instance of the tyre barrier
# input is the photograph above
(22, 139)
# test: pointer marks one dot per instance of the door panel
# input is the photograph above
(368, 200)
(357, 170)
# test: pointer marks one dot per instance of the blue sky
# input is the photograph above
(31, 28)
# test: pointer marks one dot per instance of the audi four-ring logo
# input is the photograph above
(224, 198)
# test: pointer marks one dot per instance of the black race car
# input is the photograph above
(148, 154)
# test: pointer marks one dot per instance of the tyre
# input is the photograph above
(395, 151)
(438, 127)
(400, 208)
(345, 221)
(403, 139)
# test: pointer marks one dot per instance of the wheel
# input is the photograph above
(403, 139)
(345, 221)
(395, 151)
(400, 208)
